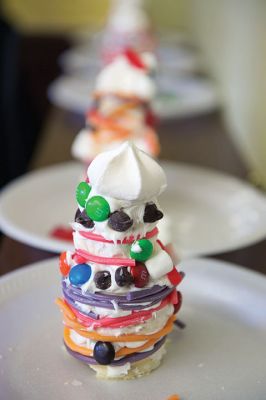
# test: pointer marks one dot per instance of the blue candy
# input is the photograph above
(80, 274)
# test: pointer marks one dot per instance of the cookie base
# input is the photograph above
(130, 371)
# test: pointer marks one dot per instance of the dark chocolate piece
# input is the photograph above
(151, 213)
(119, 221)
(123, 277)
(102, 280)
(83, 219)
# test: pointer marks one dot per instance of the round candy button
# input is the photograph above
(141, 250)
(97, 208)
(82, 193)
(63, 265)
(140, 275)
(79, 274)
(104, 352)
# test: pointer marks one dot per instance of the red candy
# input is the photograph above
(63, 265)
(177, 306)
(62, 233)
(140, 275)
(174, 277)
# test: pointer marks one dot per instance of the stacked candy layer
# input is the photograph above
(122, 111)
(119, 285)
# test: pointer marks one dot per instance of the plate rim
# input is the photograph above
(212, 103)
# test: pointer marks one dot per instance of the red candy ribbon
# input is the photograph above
(105, 260)
(132, 319)
(134, 59)
(130, 240)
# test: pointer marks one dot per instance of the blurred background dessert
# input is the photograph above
(121, 108)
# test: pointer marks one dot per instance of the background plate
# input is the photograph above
(210, 212)
(171, 58)
(220, 355)
(177, 96)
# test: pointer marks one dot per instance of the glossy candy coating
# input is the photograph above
(79, 274)
(140, 275)
(151, 213)
(82, 193)
(146, 250)
(119, 221)
(104, 352)
(97, 208)
(123, 277)
(63, 265)
(102, 280)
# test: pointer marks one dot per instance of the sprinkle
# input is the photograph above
(180, 324)
(173, 397)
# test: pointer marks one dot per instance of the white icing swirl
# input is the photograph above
(127, 173)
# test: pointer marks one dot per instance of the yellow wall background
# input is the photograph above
(64, 16)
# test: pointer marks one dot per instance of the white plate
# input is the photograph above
(177, 96)
(219, 356)
(210, 212)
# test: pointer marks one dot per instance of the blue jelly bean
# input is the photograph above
(80, 274)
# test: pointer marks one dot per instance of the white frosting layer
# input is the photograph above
(121, 77)
(127, 173)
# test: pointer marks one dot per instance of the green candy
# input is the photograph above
(82, 193)
(146, 250)
(97, 208)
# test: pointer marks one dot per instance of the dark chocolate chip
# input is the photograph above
(102, 280)
(119, 221)
(83, 219)
(151, 213)
(123, 277)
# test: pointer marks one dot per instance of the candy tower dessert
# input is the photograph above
(128, 25)
(121, 111)
(119, 285)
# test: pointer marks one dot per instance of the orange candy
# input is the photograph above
(63, 265)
